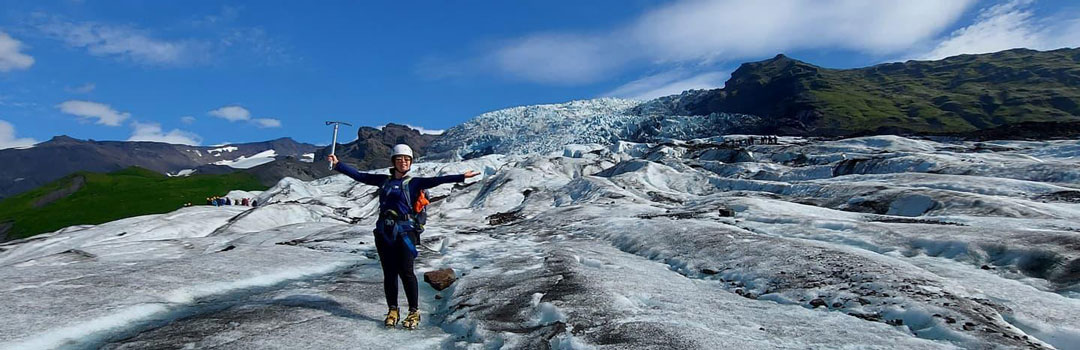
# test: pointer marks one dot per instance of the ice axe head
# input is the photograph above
(333, 145)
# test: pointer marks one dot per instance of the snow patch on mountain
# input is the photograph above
(218, 151)
(244, 162)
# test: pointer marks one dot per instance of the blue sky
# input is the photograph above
(207, 73)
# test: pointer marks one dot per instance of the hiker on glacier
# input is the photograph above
(396, 232)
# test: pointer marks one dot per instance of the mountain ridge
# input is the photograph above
(63, 155)
(957, 95)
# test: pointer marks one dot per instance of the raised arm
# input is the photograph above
(424, 183)
(368, 179)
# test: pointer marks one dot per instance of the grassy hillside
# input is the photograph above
(94, 198)
(955, 95)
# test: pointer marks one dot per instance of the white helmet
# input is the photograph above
(401, 149)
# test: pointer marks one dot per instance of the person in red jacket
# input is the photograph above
(395, 232)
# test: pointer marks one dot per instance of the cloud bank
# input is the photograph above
(85, 110)
(232, 113)
(127, 43)
(668, 83)
(152, 132)
(238, 113)
(11, 56)
(1007, 26)
(267, 123)
(702, 32)
(8, 139)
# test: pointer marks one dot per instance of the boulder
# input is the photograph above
(440, 279)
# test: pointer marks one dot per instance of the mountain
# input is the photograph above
(63, 155)
(270, 173)
(1010, 94)
(958, 95)
(371, 149)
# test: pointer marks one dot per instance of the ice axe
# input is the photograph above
(333, 145)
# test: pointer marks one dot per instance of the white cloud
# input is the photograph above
(1007, 26)
(10, 56)
(215, 40)
(82, 89)
(238, 113)
(127, 43)
(709, 30)
(267, 123)
(231, 113)
(153, 132)
(703, 31)
(187, 119)
(561, 58)
(8, 140)
(85, 110)
(668, 83)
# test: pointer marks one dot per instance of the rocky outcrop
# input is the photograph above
(371, 149)
(270, 173)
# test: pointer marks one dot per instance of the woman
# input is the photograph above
(395, 232)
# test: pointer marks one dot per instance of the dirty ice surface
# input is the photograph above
(866, 243)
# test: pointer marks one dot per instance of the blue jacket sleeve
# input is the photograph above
(423, 183)
(368, 179)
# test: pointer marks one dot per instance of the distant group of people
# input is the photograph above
(752, 140)
(223, 201)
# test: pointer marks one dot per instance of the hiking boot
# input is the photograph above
(391, 318)
(412, 320)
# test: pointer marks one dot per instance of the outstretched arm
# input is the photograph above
(429, 182)
(368, 179)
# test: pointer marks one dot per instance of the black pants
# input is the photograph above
(397, 262)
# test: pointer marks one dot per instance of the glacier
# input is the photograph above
(549, 128)
(682, 242)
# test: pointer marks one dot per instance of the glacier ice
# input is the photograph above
(873, 242)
